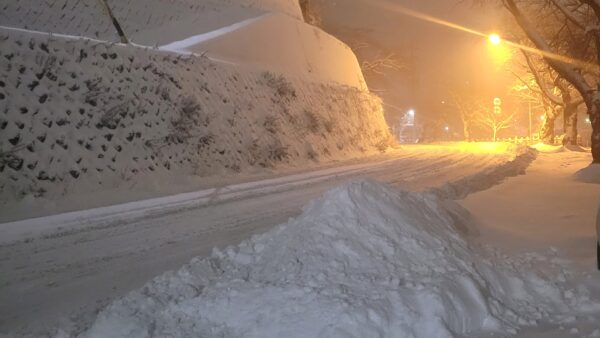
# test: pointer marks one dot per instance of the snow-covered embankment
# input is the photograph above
(365, 260)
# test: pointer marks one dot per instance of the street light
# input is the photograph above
(500, 52)
(495, 39)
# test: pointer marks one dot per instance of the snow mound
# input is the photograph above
(551, 149)
(548, 148)
(590, 174)
(486, 179)
(365, 260)
(577, 148)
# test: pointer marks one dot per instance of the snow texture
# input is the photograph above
(590, 174)
(281, 44)
(183, 45)
(78, 116)
(365, 260)
(461, 188)
(148, 22)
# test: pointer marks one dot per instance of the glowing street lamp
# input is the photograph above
(500, 51)
(495, 39)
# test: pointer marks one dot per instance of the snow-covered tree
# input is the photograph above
(468, 106)
(566, 33)
(554, 94)
(494, 121)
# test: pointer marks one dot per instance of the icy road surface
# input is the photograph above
(73, 264)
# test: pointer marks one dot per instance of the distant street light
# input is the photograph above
(446, 128)
(588, 121)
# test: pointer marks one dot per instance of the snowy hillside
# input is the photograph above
(84, 115)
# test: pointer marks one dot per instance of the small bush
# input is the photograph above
(10, 160)
(111, 118)
(384, 142)
(313, 122)
(267, 155)
(330, 125)
(271, 124)
(189, 116)
(282, 86)
(278, 152)
(312, 155)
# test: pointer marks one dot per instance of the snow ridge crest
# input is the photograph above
(365, 260)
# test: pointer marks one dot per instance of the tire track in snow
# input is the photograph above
(49, 277)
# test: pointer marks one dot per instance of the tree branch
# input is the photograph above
(567, 71)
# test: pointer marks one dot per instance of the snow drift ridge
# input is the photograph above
(365, 260)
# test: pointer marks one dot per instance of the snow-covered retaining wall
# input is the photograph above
(82, 116)
(146, 22)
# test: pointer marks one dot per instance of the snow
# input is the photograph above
(120, 149)
(183, 45)
(589, 174)
(150, 22)
(550, 215)
(364, 260)
(51, 270)
(72, 221)
(282, 44)
(548, 148)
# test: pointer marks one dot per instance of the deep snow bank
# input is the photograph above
(365, 260)
(460, 189)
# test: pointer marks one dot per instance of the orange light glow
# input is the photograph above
(495, 39)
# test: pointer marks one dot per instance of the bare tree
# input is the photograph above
(382, 63)
(570, 44)
(311, 11)
(534, 88)
(468, 107)
(374, 58)
(114, 21)
(493, 121)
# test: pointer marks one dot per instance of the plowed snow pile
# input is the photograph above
(365, 260)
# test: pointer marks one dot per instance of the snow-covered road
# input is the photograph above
(50, 270)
